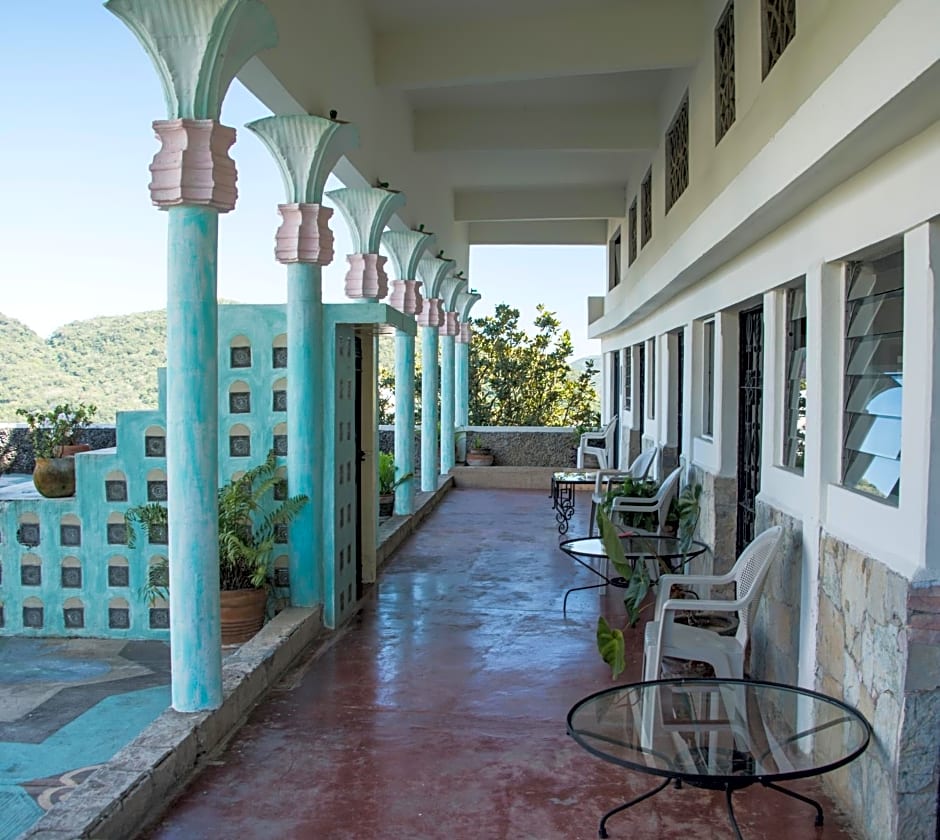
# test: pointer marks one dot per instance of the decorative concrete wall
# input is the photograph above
(879, 650)
(775, 642)
(65, 567)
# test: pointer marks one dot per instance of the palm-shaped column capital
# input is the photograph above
(305, 148)
(451, 288)
(432, 271)
(367, 211)
(464, 303)
(197, 47)
(405, 249)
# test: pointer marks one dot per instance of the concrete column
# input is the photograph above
(192, 435)
(404, 421)
(306, 147)
(405, 250)
(461, 381)
(447, 403)
(196, 48)
(429, 384)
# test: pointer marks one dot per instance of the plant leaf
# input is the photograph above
(610, 645)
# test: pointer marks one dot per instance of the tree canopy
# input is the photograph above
(517, 379)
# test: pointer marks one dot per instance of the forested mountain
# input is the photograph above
(109, 361)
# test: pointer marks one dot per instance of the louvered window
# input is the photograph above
(874, 350)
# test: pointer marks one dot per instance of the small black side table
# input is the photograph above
(563, 493)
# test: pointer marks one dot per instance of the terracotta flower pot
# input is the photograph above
(54, 478)
(479, 458)
(242, 614)
(67, 451)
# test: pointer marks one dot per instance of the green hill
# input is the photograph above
(109, 361)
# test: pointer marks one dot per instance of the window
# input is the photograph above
(677, 154)
(646, 221)
(708, 379)
(724, 73)
(627, 379)
(874, 347)
(651, 380)
(778, 26)
(613, 248)
(631, 234)
(794, 424)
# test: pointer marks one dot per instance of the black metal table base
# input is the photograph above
(728, 789)
(563, 501)
(617, 581)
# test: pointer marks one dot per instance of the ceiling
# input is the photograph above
(492, 110)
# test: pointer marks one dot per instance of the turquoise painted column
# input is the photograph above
(405, 249)
(429, 384)
(197, 47)
(462, 377)
(447, 392)
(463, 303)
(305, 148)
(404, 421)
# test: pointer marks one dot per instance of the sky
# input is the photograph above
(79, 237)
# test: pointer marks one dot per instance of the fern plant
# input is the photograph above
(247, 530)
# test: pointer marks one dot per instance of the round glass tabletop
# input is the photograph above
(719, 733)
(635, 546)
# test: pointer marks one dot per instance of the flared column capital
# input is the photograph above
(431, 315)
(450, 289)
(432, 271)
(367, 211)
(305, 148)
(465, 301)
(197, 46)
(193, 166)
(406, 296)
(405, 249)
(304, 235)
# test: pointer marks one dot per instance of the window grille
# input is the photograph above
(778, 28)
(874, 349)
(677, 154)
(651, 379)
(646, 220)
(614, 247)
(724, 73)
(631, 234)
(627, 379)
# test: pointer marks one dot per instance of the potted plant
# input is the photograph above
(247, 533)
(479, 455)
(54, 436)
(388, 483)
(610, 641)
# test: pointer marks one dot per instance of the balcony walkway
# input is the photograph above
(441, 712)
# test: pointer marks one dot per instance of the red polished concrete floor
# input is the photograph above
(441, 712)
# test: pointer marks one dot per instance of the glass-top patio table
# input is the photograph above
(562, 493)
(719, 734)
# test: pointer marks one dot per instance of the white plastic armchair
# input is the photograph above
(599, 444)
(664, 637)
(606, 479)
(657, 505)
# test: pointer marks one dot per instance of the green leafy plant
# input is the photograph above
(479, 445)
(610, 640)
(247, 530)
(387, 480)
(632, 488)
(61, 426)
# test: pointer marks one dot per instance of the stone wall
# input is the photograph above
(512, 447)
(775, 641)
(878, 639)
(716, 527)
(16, 452)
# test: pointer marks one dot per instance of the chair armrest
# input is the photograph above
(608, 477)
(715, 580)
(693, 605)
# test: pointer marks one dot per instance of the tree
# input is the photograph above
(522, 380)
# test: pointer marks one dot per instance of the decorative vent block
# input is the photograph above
(115, 491)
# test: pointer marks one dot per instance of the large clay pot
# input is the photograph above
(479, 458)
(386, 504)
(67, 450)
(54, 478)
(242, 614)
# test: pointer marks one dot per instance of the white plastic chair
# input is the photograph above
(657, 505)
(664, 637)
(599, 444)
(606, 479)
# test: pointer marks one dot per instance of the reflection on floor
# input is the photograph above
(441, 712)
